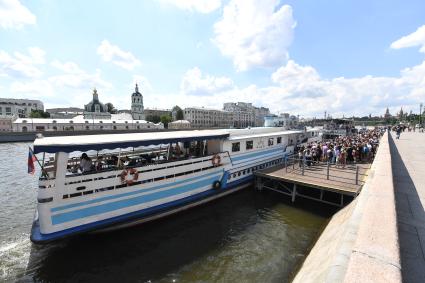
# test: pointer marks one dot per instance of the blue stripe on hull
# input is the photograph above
(100, 199)
(37, 237)
(111, 206)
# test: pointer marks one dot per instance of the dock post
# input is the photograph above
(259, 183)
(294, 191)
(357, 174)
(327, 174)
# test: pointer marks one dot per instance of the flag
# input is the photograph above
(31, 159)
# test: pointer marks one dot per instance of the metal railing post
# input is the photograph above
(286, 166)
(303, 168)
(327, 174)
(357, 174)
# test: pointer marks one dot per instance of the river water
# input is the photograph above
(245, 237)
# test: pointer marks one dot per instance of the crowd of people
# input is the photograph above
(342, 150)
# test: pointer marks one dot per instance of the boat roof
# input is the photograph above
(260, 135)
(113, 141)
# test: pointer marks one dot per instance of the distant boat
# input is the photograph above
(135, 178)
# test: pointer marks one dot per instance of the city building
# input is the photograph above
(387, 114)
(80, 123)
(19, 107)
(95, 109)
(260, 113)
(246, 115)
(6, 123)
(156, 112)
(179, 124)
(200, 117)
(65, 113)
(283, 120)
(137, 105)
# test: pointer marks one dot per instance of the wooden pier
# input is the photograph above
(322, 182)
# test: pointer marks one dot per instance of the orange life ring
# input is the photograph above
(130, 171)
(216, 160)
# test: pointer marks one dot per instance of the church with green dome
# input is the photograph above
(95, 109)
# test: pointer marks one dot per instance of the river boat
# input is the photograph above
(139, 177)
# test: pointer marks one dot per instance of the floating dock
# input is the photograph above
(321, 181)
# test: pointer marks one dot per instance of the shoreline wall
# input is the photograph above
(360, 242)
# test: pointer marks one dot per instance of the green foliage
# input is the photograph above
(165, 119)
(179, 112)
(39, 114)
(110, 108)
(153, 118)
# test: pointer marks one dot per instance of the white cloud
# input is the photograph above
(114, 54)
(35, 89)
(201, 6)
(75, 77)
(194, 83)
(20, 65)
(14, 15)
(255, 33)
(301, 90)
(416, 38)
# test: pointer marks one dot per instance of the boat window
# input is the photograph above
(279, 140)
(249, 145)
(271, 141)
(236, 146)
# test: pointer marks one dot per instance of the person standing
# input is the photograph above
(398, 132)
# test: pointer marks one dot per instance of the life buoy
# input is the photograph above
(216, 160)
(127, 172)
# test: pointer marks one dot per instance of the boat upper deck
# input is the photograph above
(113, 141)
(100, 142)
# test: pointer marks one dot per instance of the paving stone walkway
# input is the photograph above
(408, 165)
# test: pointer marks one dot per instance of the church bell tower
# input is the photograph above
(137, 105)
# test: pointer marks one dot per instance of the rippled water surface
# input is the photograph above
(246, 237)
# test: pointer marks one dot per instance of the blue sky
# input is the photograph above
(303, 57)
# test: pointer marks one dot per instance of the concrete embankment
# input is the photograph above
(360, 242)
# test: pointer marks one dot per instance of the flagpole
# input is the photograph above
(42, 168)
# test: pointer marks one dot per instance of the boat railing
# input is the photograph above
(171, 169)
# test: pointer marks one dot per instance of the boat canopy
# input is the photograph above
(112, 141)
(263, 135)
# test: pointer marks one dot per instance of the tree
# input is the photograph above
(110, 108)
(179, 112)
(165, 119)
(39, 114)
(153, 118)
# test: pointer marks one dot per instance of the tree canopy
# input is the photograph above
(39, 114)
(179, 112)
(165, 119)
(110, 108)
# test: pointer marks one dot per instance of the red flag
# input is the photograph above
(31, 159)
